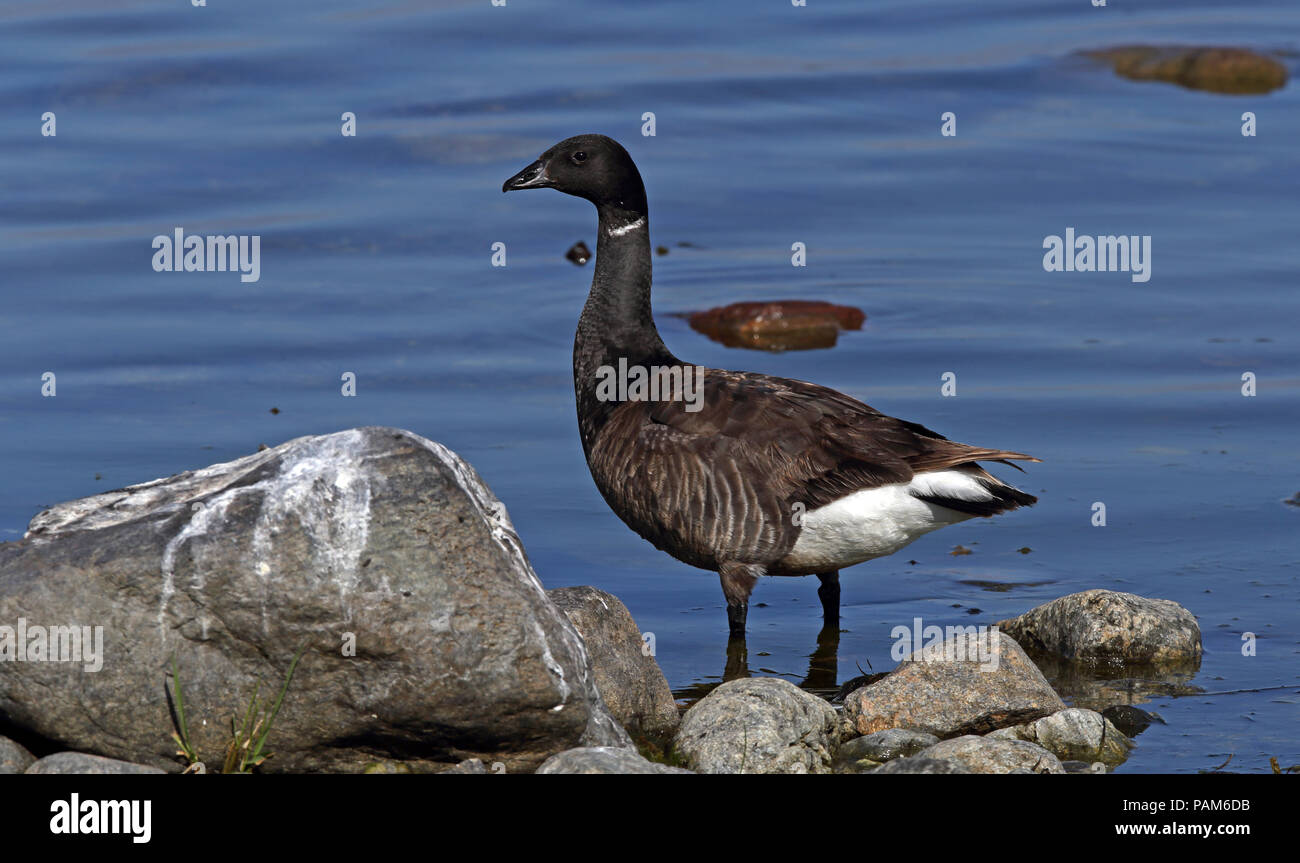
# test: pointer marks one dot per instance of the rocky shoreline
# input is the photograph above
(373, 579)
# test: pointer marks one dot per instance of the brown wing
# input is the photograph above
(722, 482)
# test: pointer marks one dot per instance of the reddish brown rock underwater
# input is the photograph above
(778, 325)
(1216, 69)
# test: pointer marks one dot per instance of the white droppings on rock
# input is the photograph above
(321, 487)
(555, 668)
(165, 495)
(202, 520)
(328, 494)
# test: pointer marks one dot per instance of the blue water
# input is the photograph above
(774, 125)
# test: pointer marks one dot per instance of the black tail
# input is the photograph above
(1004, 498)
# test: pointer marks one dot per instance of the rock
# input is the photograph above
(1082, 735)
(886, 745)
(951, 697)
(628, 678)
(78, 762)
(918, 764)
(1220, 70)
(1074, 734)
(603, 759)
(1108, 628)
(13, 758)
(578, 253)
(469, 765)
(759, 725)
(993, 755)
(1131, 721)
(784, 325)
(1083, 767)
(429, 639)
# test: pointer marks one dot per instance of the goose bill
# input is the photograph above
(532, 177)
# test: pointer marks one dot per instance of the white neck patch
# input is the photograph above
(631, 226)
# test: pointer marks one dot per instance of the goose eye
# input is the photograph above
(579, 157)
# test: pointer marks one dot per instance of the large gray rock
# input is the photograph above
(429, 639)
(603, 759)
(993, 755)
(630, 681)
(759, 725)
(13, 758)
(954, 691)
(1074, 734)
(81, 763)
(1110, 628)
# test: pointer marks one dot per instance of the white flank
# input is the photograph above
(879, 521)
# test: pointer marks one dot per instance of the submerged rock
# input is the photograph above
(603, 759)
(1074, 734)
(994, 755)
(1098, 686)
(630, 681)
(428, 637)
(886, 745)
(1108, 627)
(759, 725)
(862, 754)
(956, 692)
(917, 764)
(13, 758)
(779, 325)
(1131, 721)
(66, 763)
(1219, 70)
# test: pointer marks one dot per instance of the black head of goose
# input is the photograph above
(740, 473)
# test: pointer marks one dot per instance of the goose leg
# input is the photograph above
(829, 594)
(738, 580)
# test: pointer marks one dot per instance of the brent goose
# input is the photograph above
(751, 475)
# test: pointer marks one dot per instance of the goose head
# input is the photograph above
(593, 167)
